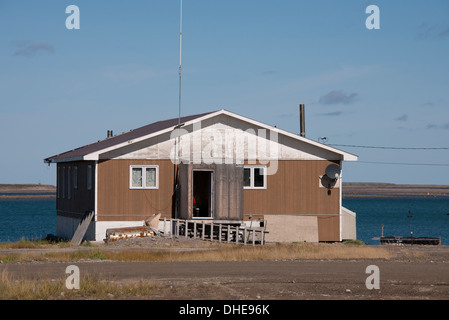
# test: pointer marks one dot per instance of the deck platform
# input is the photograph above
(410, 241)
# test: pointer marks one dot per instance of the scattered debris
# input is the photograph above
(129, 232)
(153, 221)
(160, 241)
(149, 229)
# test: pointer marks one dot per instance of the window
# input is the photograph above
(144, 177)
(69, 183)
(75, 177)
(59, 183)
(63, 182)
(89, 177)
(247, 177)
(254, 177)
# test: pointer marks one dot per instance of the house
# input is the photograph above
(217, 166)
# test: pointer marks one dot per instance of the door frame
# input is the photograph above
(211, 193)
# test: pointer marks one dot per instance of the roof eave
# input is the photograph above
(345, 155)
(55, 159)
(96, 155)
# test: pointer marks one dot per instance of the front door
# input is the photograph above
(202, 193)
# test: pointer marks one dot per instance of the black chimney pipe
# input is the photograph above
(302, 120)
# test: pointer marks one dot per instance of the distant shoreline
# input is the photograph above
(26, 188)
(28, 196)
(350, 190)
(389, 190)
(27, 191)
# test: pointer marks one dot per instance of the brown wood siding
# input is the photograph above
(295, 189)
(117, 202)
(328, 228)
(81, 199)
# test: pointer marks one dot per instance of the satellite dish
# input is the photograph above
(333, 171)
(327, 182)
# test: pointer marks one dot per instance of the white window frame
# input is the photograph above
(144, 178)
(251, 177)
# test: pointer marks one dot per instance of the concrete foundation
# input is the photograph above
(281, 228)
(291, 228)
(348, 221)
(66, 227)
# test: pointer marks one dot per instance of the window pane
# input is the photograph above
(75, 177)
(69, 182)
(63, 182)
(89, 177)
(258, 177)
(136, 177)
(151, 178)
(247, 177)
(59, 184)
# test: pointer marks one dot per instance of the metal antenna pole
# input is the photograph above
(180, 55)
(177, 186)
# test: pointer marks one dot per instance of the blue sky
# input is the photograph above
(61, 89)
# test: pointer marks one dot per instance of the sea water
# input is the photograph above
(425, 216)
(30, 219)
(428, 217)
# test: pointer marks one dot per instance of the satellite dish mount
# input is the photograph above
(331, 177)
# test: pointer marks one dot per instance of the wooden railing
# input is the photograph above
(214, 231)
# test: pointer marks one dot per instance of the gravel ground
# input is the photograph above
(157, 242)
(413, 273)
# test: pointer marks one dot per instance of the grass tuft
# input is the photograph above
(34, 244)
(224, 252)
(354, 242)
(90, 288)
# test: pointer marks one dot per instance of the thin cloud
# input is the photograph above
(425, 30)
(436, 126)
(434, 103)
(331, 114)
(428, 31)
(287, 115)
(338, 96)
(404, 118)
(444, 33)
(30, 49)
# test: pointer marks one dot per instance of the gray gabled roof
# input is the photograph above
(79, 153)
